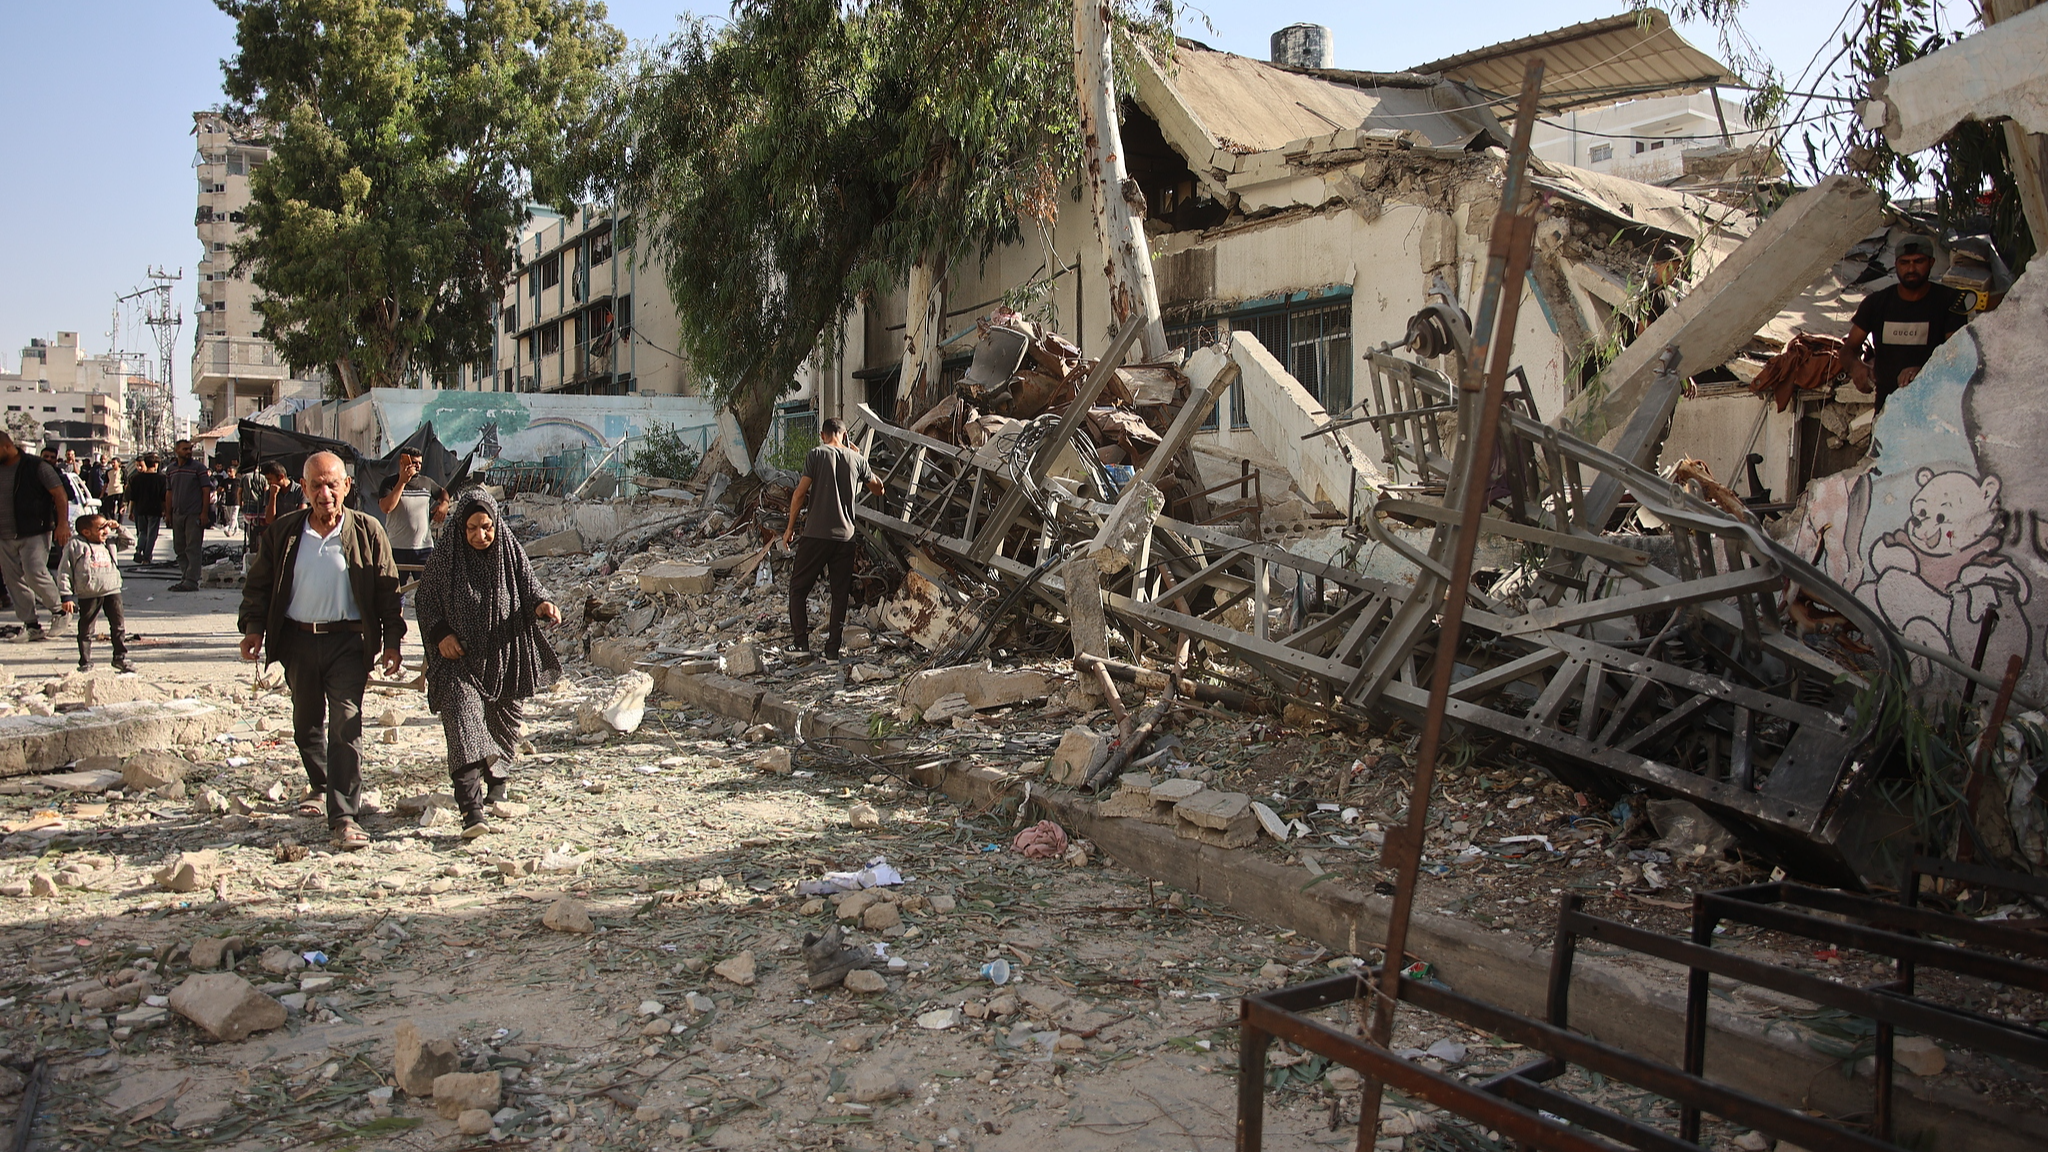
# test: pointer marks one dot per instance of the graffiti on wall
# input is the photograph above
(521, 426)
(1939, 530)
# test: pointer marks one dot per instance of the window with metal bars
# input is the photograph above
(1311, 339)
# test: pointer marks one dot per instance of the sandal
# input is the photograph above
(311, 809)
(349, 837)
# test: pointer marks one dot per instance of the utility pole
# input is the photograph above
(1118, 202)
(150, 424)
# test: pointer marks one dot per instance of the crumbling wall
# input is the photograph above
(1281, 413)
(1943, 521)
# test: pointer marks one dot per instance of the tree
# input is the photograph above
(407, 138)
(808, 152)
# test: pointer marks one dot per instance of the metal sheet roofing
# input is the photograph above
(1598, 62)
(1250, 105)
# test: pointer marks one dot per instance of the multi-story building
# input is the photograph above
(235, 372)
(80, 401)
(578, 317)
(1646, 140)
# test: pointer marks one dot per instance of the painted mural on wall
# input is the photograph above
(1940, 531)
(526, 426)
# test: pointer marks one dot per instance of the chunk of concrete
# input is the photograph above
(83, 780)
(210, 952)
(981, 685)
(682, 579)
(1919, 1055)
(1081, 751)
(190, 872)
(417, 1062)
(945, 708)
(738, 969)
(148, 771)
(568, 542)
(567, 915)
(627, 705)
(225, 1006)
(742, 659)
(459, 1092)
(1224, 819)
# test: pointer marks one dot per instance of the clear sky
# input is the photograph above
(99, 184)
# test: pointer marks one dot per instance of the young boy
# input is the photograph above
(89, 574)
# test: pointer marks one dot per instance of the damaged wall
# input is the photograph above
(1942, 523)
(524, 425)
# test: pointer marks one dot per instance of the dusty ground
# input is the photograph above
(1115, 1031)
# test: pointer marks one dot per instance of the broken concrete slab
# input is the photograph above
(1081, 751)
(40, 743)
(149, 771)
(417, 1061)
(459, 1092)
(96, 780)
(225, 1006)
(680, 579)
(1224, 819)
(1991, 75)
(568, 542)
(981, 685)
(1788, 252)
(627, 705)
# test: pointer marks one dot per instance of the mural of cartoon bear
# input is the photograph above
(1936, 577)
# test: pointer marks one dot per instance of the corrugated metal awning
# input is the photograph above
(1598, 62)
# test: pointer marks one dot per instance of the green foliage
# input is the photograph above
(795, 448)
(665, 452)
(805, 152)
(407, 137)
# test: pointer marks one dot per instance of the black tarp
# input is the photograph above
(262, 443)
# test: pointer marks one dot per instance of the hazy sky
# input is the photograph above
(101, 94)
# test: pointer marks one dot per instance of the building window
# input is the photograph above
(549, 340)
(1313, 341)
(511, 317)
(1600, 153)
(551, 271)
(1656, 145)
(600, 247)
(1641, 147)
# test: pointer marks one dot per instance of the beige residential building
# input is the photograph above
(81, 401)
(579, 316)
(234, 372)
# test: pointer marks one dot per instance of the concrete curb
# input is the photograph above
(1610, 1003)
(40, 743)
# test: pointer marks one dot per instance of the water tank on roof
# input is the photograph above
(1304, 46)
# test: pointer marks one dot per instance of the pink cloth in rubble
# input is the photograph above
(1044, 840)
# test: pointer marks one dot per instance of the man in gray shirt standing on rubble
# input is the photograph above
(34, 512)
(828, 482)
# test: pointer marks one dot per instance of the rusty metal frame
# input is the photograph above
(1514, 1103)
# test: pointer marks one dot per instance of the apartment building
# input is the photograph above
(79, 400)
(579, 316)
(1645, 140)
(234, 371)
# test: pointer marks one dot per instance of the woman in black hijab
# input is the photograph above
(480, 609)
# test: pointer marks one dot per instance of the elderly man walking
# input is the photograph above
(322, 596)
(35, 512)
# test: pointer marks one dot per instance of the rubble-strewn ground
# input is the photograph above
(1115, 1031)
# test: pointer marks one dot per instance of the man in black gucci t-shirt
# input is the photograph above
(1906, 322)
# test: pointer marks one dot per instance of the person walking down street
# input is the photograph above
(480, 608)
(146, 496)
(320, 598)
(35, 512)
(830, 473)
(413, 505)
(230, 497)
(117, 488)
(188, 499)
(91, 574)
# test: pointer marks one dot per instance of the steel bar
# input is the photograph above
(1493, 336)
(1973, 790)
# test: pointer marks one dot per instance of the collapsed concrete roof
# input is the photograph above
(1598, 62)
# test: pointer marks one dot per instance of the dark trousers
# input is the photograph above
(813, 557)
(327, 674)
(146, 528)
(89, 610)
(470, 780)
(188, 537)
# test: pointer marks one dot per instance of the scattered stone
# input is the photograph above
(85, 780)
(940, 1019)
(568, 542)
(190, 872)
(473, 1122)
(280, 961)
(699, 1003)
(149, 771)
(627, 705)
(650, 1008)
(874, 1082)
(865, 982)
(1274, 973)
(739, 969)
(742, 659)
(41, 884)
(458, 1092)
(649, 1114)
(1919, 1055)
(225, 1006)
(1003, 1005)
(880, 917)
(107, 999)
(980, 685)
(680, 579)
(201, 1113)
(1224, 819)
(1080, 752)
(862, 815)
(946, 708)
(775, 760)
(655, 1027)
(567, 915)
(507, 809)
(294, 1002)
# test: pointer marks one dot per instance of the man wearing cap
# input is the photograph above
(1908, 321)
